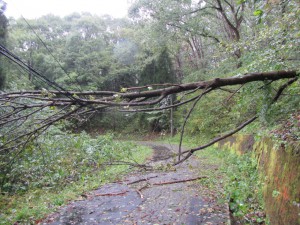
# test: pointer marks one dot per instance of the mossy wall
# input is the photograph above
(279, 166)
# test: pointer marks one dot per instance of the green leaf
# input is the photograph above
(123, 90)
(239, 2)
(258, 12)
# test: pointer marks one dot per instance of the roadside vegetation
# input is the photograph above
(238, 183)
(61, 167)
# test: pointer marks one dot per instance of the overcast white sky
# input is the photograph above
(35, 8)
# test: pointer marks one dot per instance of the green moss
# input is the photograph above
(279, 168)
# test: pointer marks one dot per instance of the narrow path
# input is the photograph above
(150, 197)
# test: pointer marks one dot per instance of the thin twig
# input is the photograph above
(191, 151)
(111, 194)
(140, 193)
(234, 93)
(281, 89)
(179, 181)
(187, 117)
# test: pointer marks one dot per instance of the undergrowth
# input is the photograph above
(58, 168)
(240, 183)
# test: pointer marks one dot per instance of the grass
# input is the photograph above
(235, 179)
(238, 182)
(35, 204)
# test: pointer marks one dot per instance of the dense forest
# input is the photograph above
(74, 77)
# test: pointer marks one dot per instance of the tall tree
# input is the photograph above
(159, 70)
(3, 21)
(3, 31)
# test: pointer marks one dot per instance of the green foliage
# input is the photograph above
(59, 167)
(221, 111)
(243, 186)
(269, 46)
(212, 115)
(158, 120)
(258, 12)
(159, 70)
(74, 155)
(115, 121)
(239, 183)
(3, 34)
(82, 45)
(3, 22)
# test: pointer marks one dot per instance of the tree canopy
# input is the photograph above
(3, 31)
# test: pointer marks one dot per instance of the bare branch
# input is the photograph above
(180, 181)
(281, 89)
(187, 117)
(234, 93)
(163, 92)
(191, 151)
(166, 107)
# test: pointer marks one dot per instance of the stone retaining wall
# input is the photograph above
(279, 166)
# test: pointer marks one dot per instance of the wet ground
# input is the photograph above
(160, 196)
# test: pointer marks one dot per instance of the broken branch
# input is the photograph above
(111, 194)
(179, 181)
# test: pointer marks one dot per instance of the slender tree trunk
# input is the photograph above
(171, 117)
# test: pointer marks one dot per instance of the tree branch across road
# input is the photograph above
(24, 115)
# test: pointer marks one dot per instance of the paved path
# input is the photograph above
(140, 198)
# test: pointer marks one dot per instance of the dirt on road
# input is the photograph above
(163, 195)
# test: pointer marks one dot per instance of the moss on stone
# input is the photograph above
(279, 166)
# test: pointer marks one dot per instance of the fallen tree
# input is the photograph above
(26, 114)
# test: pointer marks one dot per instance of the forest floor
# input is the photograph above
(161, 195)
